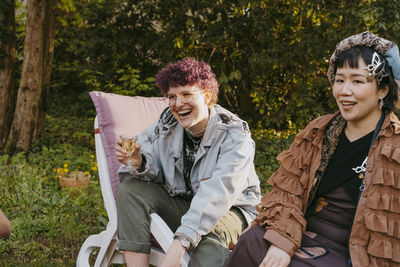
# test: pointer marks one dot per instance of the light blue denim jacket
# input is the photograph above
(222, 176)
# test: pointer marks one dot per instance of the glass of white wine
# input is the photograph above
(128, 143)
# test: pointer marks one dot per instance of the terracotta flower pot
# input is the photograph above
(75, 179)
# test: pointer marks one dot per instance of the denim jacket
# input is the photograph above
(222, 176)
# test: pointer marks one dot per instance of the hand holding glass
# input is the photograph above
(128, 143)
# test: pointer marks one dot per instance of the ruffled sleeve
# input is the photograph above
(281, 210)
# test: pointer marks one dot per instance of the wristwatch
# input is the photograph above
(184, 241)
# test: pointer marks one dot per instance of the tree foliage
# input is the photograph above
(270, 56)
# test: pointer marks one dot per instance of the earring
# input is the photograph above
(381, 103)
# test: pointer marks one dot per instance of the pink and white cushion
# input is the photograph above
(118, 115)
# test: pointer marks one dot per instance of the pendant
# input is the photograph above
(361, 176)
(362, 186)
(362, 168)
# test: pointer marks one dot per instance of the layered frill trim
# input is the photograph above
(378, 243)
(387, 177)
(381, 198)
(383, 222)
(286, 220)
(278, 197)
(290, 162)
(391, 151)
(295, 164)
(381, 217)
(380, 253)
(378, 262)
(380, 246)
(359, 255)
(300, 154)
(287, 182)
(298, 157)
(384, 191)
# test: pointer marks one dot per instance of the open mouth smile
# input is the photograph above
(184, 113)
(347, 103)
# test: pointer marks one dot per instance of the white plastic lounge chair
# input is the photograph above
(117, 115)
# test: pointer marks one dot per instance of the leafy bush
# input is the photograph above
(49, 224)
(269, 143)
(125, 81)
(270, 57)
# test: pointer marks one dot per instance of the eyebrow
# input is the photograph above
(187, 91)
(183, 92)
(352, 75)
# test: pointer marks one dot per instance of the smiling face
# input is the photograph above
(189, 105)
(357, 96)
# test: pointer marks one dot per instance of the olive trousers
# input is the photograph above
(136, 200)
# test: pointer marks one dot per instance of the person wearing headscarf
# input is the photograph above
(336, 196)
(194, 168)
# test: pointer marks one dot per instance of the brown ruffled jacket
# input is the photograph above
(375, 236)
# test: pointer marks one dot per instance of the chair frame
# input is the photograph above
(107, 240)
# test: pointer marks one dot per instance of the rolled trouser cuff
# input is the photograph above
(133, 231)
(134, 246)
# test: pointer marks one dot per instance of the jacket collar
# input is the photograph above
(321, 124)
(318, 126)
(176, 143)
(213, 128)
(390, 125)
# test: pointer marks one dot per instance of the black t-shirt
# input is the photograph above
(340, 170)
(190, 147)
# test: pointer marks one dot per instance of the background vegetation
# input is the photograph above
(270, 58)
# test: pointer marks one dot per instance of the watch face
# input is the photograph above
(185, 243)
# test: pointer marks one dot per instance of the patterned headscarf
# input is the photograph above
(387, 48)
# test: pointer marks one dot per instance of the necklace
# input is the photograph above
(195, 133)
(361, 170)
(195, 143)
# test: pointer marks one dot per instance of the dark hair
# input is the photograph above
(188, 71)
(351, 56)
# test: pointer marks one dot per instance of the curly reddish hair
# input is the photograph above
(188, 71)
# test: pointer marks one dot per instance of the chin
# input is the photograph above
(347, 115)
(349, 119)
(184, 124)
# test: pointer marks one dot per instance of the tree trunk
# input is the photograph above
(7, 65)
(48, 53)
(245, 104)
(28, 118)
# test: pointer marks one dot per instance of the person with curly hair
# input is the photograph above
(336, 196)
(193, 167)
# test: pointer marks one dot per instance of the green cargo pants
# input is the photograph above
(137, 200)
